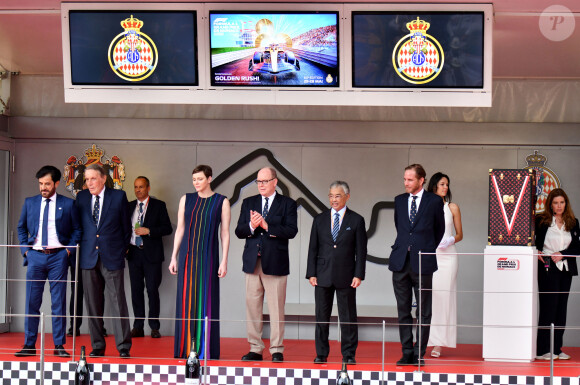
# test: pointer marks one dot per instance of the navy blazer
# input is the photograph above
(337, 263)
(68, 228)
(424, 235)
(573, 248)
(110, 240)
(158, 222)
(282, 225)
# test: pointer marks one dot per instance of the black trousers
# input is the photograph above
(554, 287)
(346, 301)
(405, 283)
(144, 275)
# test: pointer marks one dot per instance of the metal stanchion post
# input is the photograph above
(551, 354)
(42, 348)
(419, 323)
(383, 357)
(205, 342)
(339, 334)
(76, 293)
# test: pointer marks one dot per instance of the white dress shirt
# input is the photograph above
(341, 213)
(419, 195)
(135, 217)
(101, 200)
(53, 241)
(556, 241)
(270, 200)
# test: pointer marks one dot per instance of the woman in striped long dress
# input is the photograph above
(203, 217)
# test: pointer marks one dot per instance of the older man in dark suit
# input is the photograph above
(49, 223)
(150, 223)
(106, 224)
(336, 262)
(420, 226)
(267, 221)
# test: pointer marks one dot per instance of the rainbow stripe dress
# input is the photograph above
(198, 292)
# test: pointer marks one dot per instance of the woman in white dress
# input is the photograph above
(444, 318)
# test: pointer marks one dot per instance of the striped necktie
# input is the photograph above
(138, 239)
(335, 226)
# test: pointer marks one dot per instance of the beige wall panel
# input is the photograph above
(374, 172)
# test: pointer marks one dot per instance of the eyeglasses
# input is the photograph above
(337, 196)
(263, 182)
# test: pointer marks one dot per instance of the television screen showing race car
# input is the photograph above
(274, 49)
(133, 47)
(417, 49)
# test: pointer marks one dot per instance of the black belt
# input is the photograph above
(136, 247)
(51, 251)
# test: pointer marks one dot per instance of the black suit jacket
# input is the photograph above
(110, 240)
(337, 263)
(282, 225)
(573, 248)
(424, 235)
(158, 222)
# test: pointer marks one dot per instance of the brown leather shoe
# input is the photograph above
(137, 333)
(155, 333)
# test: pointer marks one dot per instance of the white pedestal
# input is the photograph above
(510, 303)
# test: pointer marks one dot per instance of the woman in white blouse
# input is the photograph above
(557, 237)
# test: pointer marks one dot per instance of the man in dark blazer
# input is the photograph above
(49, 223)
(336, 262)
(420, 226)
(267, 221)
(106, 223)
(150, 223)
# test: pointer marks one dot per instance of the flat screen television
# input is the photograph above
(274, 48)
(421, 47)
(130, 45)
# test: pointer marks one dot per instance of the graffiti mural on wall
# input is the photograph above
(74, 170)
(308, 201)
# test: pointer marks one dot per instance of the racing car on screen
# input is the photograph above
(273, 59)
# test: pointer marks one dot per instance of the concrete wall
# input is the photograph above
(371, 156)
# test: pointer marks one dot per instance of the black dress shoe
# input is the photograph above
(27, 351)
(405, 360)
(320, 360)
(416, 361)
(155, 333)
(137, 333)
(277, 357)
(97, 353)
(251, 356)
(105, 333)
(60, 352)
(124, 353)
(348, 360)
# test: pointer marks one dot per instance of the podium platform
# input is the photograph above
(510, 305)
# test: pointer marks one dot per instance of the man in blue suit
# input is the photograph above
(420, 226)
(49, 223)
(105, 219)
(267, 221)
